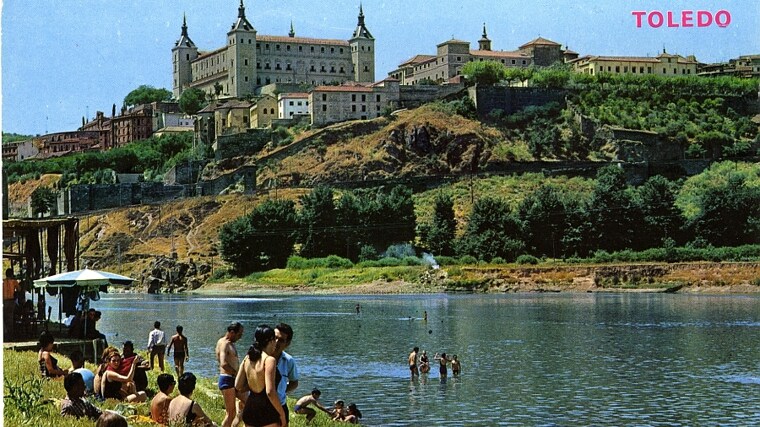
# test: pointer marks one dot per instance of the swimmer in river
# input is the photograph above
(413, 361)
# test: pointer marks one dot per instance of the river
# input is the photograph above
(528, 359)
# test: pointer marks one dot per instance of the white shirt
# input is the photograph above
(156, 337)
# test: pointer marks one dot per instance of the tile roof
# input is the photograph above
(499, 54)
(303, 40)
(540, 41)
(204, 55)
(455, 41)
(417, 59)
(294, 95)
(342, 89)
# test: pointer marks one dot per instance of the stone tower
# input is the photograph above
(362, 51)
(484, 43)
(241, 55)
(183, 53)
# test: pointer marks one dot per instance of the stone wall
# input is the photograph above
(511, 99)
(411, 96)
(242, 180)
(89, 197)
(241, 144)
(185, 173)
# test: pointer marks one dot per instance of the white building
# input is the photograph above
(290, 105)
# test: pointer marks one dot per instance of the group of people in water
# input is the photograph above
(254, 390)
(419, 363)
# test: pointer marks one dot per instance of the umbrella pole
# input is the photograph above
(60, 310)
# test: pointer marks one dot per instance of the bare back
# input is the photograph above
(179, 342)
(255, 372)
(226, 355)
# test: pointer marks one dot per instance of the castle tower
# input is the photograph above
(363, 51)
(183, 53)
(484, 43)
(292, 32)
(241, 54)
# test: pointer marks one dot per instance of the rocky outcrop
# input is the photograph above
(168, 275)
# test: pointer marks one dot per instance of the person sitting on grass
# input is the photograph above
(75, 404)
(111, 419)
(48, 364)
(77, 365)
(159, 406)
(185, 411)
(111, 383)
(353, 414)
(339, 411)
(303, 403)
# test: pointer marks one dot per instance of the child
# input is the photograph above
(303, 403)
(339, 411)
(353, 414)
(159, 406)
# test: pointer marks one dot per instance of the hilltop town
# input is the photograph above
(256, 81)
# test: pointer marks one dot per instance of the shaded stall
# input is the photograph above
(33, 248)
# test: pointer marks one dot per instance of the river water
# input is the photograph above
(528, 359)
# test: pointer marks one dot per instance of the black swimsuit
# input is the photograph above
(442, 370)
(258, 409)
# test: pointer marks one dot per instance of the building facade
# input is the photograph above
(664, 64)
(249, 60)
(292, 104)
(747, 66)
(453, 54)
(333, 104)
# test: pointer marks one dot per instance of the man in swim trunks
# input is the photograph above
(302, 405)
(227, 356)
(413, 361)
(181, 351)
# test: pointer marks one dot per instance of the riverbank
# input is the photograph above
(695, 277)
(31, 400)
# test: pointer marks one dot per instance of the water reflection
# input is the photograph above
(569, 360)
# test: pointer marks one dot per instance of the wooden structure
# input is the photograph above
(34, 248)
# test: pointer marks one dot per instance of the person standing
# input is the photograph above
(413, 361)
(227, 356)
(259, 375)
(456, 367)
(10, 289)
(181, 351)
(157, 346)
(286, 365)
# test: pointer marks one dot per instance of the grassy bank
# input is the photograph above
(32, 400)
(705, 276)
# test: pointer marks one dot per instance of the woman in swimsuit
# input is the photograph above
(112, 382)
(48, 363)
(259, 374)
(443, 360)
(183, 411)
(424, 363)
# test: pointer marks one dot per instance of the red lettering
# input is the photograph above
(726, 18)
(651, 19)
(638, 15)
(670, 20)
(704, 18)
(687, 18)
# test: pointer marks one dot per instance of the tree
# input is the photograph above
(729, 214)
(146, 94)
(438, 235)
(662, 219)
(612, 219)
(485, 73)
(318, 222)
(192, 100)
(261, 240)
(43, 200)
(546, 220)
(492, 231)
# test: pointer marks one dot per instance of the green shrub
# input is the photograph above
(334, 261)
(467, 259)
(389, 262)
(446, 260)
(499, 260)
(527, 259)
(297, 263)
(411, 260)
(367, 253)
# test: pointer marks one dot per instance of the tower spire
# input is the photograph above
(292, 32)
(241, 10)
(184, 24)
(361, 15)
(361, 29)
(485, 35)
(484, 43)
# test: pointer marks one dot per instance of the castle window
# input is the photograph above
(322, 69)
(267, 66)
(369, 48)
(188, 56)
(322, 49)
(625, 69)
(617, 69)
(287, 66)
(332, 69)
(641, 70)
(268, 80)
(258, 65)
(362, 48)
(353, 97)
(324, 97)
(378, 98)
(258, 46)
(342, 71)
(312, 69)
(459, 59)
(332, 50)
(353, 108)
(246, 78)
(364, 98)
(341, 50)
(258, 80)
(291, 103)
(246, 62)
(633, 70)
(324, 107)
(287, 47)
(366, 68)
(524, 62)
(312, 48)
(266, 46)
(277, 66)
(300, 48)
(249, 41)
(649, 70)
(364, 108)
(277, 47)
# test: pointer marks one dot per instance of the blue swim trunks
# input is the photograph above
(226, 381)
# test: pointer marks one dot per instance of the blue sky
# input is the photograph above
(65, 59)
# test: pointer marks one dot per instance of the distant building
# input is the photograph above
(743, 66)
(453, 54)
(293, 104)
(248, 60)
(20, 150)
(664, 64)
(263, 111)
(332, 104)
(62, 143)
